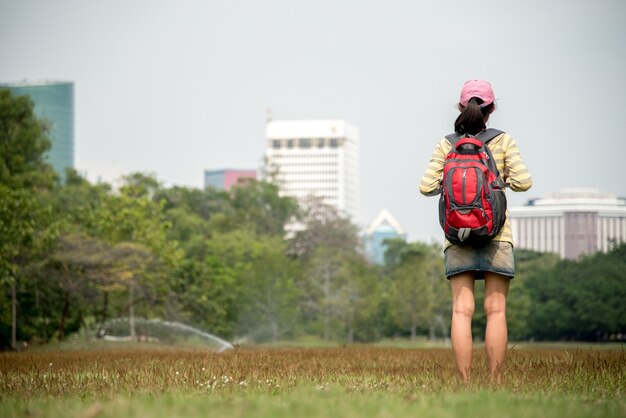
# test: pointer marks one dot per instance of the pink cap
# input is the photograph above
(477, 88)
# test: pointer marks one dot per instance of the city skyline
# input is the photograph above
(176, 89)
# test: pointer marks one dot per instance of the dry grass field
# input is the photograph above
(351, 381)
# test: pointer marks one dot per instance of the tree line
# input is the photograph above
(75, 254)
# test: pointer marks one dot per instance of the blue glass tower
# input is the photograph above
(54, 103)
(384, 227)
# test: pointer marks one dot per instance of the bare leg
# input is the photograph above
(496, 335)
(462, 286)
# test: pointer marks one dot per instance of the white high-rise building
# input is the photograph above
(316, 157)
(570, 223)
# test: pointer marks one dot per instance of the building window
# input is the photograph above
(334, 142)
(276, 143)
(320, 142)
(290, 143)
(305, 142)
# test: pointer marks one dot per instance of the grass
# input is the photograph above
(309, 402)
(148, 380)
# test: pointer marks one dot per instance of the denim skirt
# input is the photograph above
(495, 256)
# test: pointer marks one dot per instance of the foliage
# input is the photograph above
(248, 263)
(322, 226)
(26, 229)
(258, 205)
(418, 294)
(26, 224)
(23, 143)
(339, 289)
(580, 300)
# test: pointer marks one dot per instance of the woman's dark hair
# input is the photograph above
(473, 117)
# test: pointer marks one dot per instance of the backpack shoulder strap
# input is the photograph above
(489, 134)
(453, 137)
(485, 136)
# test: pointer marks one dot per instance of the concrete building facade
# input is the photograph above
(318, 158)
(571, 223)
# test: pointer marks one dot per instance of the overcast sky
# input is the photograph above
(176, 87)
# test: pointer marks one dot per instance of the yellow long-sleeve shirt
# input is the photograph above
(508, 160)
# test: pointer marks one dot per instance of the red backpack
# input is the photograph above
(472, 207)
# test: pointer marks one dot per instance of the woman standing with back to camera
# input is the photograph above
(491, 260)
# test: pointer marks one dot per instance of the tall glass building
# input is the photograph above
(384, 227)
(54, 102)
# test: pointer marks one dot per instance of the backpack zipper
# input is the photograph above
(463, 187)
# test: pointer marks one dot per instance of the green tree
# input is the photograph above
(259, 205)
(135, 267)
(133, 220)
(141, 185)
(418, 296)
(322, 288)
(579, 299)
(334, 274)
(202, 203)
(251, 278)
(78, 205)
(26, 230)
(220, 233)
(69, 280)
(23, 144)
(599, 299)
(25, 222)
(360, 298)
(208, 294)
(519, 302)
(321, 225)
(269, 295)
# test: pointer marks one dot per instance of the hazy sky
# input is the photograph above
(176, 87)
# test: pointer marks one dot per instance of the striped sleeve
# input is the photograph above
(516, 174)
(430, 185)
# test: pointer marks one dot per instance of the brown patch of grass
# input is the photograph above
(592, 374)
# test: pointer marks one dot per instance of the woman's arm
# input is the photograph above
(516, 174)
(431, 181)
